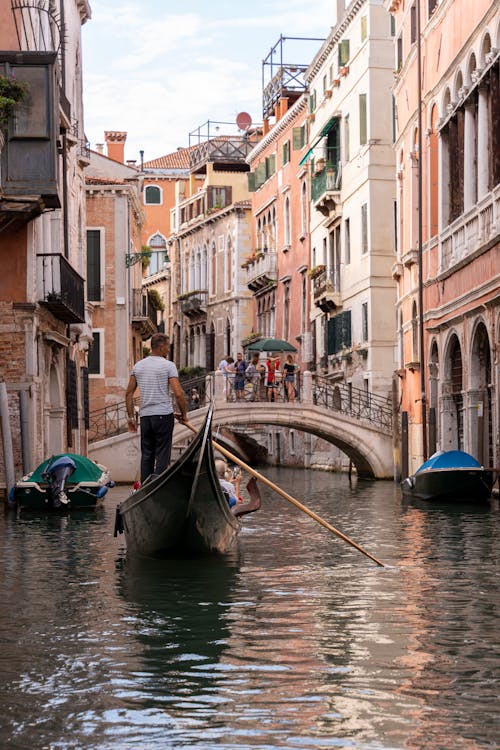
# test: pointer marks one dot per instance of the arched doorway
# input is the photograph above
(453, 407)
(480, 397)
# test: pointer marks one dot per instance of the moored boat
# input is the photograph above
(450, 475)
(183, 510)
(67, 481)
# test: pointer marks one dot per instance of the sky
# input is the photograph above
(160, 69)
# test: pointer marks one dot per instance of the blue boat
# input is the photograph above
(450, 475)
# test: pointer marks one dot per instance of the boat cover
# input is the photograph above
(450, 460)
(86, 469)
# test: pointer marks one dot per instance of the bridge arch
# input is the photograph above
(368, 447)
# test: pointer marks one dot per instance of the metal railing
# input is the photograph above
(255, 389)
(60, 287)
(354, 402)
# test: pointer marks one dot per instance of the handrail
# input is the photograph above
(354, 402)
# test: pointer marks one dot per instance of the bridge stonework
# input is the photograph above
(369, 446)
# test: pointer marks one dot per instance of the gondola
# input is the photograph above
(450, 476)
(64, 482)
(183, 510)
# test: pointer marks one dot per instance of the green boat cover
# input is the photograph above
(86, 469)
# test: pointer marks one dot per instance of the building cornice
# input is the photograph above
(335, 35)
(278, 129)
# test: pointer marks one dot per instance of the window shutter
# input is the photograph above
(364, 27)
(362, 119)
(332, 336)
(346, 329)
(298, 138)
(260, 175)
(93, 265)
(94, 360)
(343, 52)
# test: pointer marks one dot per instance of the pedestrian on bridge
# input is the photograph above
(157, 379)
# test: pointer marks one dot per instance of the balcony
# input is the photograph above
(29, 162)
(205, 202)
(60, 288)
(143, 314)
(227, 152)
(325, 295)
(194, 303)
(262, 271)
(325, 189)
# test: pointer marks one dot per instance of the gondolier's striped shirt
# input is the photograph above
(152, 374)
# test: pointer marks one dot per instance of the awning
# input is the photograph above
(323, 133)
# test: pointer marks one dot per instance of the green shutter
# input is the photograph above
(332, 336)
(343, 52)
(251, 182)
(93, 265)
(362, 119)
(346, 329)
(298, 138)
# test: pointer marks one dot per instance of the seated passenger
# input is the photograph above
(228, 488)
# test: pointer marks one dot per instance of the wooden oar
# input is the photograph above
(288, 497)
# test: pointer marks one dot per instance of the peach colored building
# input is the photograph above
(276, 269)
(455, 251)
(123, 315)
(44, 329)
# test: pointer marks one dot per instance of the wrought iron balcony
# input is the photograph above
(326, 295)
(60, 288)
(262, 271)
(143, 314)
(325, 189)
(194, 303)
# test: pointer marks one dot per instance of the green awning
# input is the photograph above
(324, 132)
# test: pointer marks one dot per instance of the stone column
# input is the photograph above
(469, 157)
(306, 395)
(220, 386)
(482, 142)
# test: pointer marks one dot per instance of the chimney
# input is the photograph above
(115, 143)
(99, 147)
(340, 11)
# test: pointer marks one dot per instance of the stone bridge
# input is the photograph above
(359, 424)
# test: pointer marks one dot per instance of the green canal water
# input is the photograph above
(294, 640)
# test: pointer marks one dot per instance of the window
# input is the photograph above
(363, 126)
(303, 209)
(347, 242)
(285, 153)
(286, 222)
(286, 309)
(432, 6)
(364, 28)
(312, 101)
(364, 321)
(364, 228)
(95, 353)
(413, 23)
(347, 145)
(152, 195)
(94, 291)
(399, 53)
(298, 138)
(414, 332)
(219, 197)
(158, 245)
(343, 53)
(339, 332)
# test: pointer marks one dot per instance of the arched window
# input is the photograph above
(152, 195)
(158, 245)
(286, 223)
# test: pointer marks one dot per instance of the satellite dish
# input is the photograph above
(243, 120)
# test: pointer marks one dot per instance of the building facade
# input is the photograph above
(45, 318)
(448, 254)
(123, 314)
(352, 187)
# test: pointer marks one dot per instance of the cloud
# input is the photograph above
(159, 70)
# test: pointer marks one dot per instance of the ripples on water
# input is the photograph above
(294, 640)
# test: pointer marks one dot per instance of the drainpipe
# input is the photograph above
(8, 453)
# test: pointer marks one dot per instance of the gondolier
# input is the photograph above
(157, 379)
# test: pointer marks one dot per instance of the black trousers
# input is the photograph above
(156, 444)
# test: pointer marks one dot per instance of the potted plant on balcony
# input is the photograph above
(315, 271)
(12, 92)
(156, 299)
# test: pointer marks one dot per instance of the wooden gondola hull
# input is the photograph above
(181, 511)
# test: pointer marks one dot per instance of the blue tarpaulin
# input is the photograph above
(450, 460)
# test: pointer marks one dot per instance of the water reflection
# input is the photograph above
(295, 640)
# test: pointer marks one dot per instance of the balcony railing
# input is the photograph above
(262, 271)
(326, 293)
(193, 303)
(60, 288)
(325, 188)
(222, 150)
(143, 314)
(470, 231)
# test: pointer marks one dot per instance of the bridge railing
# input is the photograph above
(355, 402)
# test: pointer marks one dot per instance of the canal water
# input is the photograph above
(294, 640)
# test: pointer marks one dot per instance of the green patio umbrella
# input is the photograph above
(271, 345)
